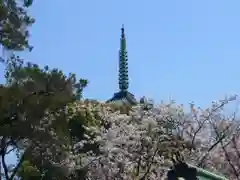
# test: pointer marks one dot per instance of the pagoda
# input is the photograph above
(123, 96)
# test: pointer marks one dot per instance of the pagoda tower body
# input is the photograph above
(123, 96)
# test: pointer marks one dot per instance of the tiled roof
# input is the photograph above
(123, 97)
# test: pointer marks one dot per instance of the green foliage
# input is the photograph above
(83, 114)
(32, 108)
(28, 171)
(14, 23)
(33, 91)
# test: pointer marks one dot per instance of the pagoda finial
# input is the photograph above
(122, 30)
(123, 63)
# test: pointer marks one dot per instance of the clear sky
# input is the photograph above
(186, 50)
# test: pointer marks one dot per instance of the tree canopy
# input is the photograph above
(32, 110)
(14, 24)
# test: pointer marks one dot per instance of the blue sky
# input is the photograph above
(186, 50)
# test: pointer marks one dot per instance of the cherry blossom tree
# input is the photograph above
(140, 145)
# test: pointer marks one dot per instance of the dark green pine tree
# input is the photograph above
(123, 96)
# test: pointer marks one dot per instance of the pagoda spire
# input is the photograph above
(123, 63)
(123, 96)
